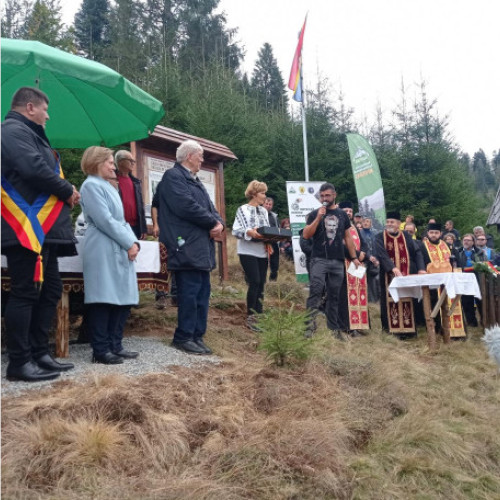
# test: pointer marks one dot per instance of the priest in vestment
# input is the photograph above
(436, 252)
(353, 305)
(398, 256)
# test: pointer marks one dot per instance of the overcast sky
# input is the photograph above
(365, 48)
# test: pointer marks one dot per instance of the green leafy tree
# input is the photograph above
(267, 83)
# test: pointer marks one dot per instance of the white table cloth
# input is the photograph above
(148, 259)
(455, 284)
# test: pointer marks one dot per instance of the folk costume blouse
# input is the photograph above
(248, 217)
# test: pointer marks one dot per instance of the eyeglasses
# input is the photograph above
(467, 240)
(130, 160)
(481, 239)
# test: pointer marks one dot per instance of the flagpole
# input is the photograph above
(295, 83)
(304, 130)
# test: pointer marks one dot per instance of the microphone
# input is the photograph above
(326, 205)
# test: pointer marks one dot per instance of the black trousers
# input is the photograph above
(30, 310)
(255, 269)
(106, 323)
(274, 262)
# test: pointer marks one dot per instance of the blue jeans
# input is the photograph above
(193, 294)
(106, 323)
(327, 273)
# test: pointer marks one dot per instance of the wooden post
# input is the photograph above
(484, 300)
(445, 320)
(62, 332)
(491, 300)
(429, 321)
(497, 300)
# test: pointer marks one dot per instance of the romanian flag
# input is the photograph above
(295, 81)
(31, 222)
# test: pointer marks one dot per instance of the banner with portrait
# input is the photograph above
(303, 198)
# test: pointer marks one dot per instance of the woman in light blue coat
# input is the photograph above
(109, 251)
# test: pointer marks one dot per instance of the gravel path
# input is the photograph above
(155, 356)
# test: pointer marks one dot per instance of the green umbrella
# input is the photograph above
(90, 104)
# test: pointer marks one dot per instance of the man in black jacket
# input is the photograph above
(189, 223)
(36, 229)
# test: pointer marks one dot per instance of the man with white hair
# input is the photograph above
(189, 223)
(479, 231)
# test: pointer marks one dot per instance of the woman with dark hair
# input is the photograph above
(110, 248)
(252, 252)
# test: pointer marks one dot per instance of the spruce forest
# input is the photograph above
(183, 53)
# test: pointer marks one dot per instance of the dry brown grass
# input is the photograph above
(370, 418)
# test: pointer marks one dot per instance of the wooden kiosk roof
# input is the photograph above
(168, 138)
(494, 217)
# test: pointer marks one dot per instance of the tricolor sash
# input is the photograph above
(441, 253)
(31, 222)
(357, 293)
(400, 316)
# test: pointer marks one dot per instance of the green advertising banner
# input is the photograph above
(367, 180)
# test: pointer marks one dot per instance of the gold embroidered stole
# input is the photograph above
(441, 253)
(400, 316)
(357, 293)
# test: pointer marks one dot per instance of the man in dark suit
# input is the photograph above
(36, 229)
(189, 223)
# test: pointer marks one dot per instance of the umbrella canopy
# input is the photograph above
(90, 104)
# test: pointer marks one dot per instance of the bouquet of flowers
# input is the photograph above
(487, 268)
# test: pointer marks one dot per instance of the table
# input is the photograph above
(418, 286)
(152, 274)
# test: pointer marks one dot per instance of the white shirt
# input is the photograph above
(248, 217)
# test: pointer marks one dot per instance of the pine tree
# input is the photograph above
(92, 27)
(44, 22)
(125, 51)
(205, 39)
(14, 16)
(44, 25)
(267, 83)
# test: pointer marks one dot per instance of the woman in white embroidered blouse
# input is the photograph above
(253, 254)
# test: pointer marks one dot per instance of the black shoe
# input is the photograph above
(127, 354)
(355, 333)
(49, 363)
(338, 335)
(30, 372)
(107, 359)
(199, 342)
(189, 346)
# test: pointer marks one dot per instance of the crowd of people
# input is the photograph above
(349, 263)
